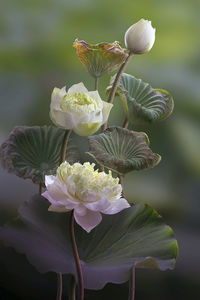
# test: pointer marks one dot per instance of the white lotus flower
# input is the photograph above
(78, 109)
(85, 190)
(140, 37)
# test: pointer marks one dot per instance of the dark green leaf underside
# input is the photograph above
(135, 237)
(142, 101)
(33, 152)
(122, 150)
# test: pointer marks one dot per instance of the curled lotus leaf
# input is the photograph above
(137, 236)
(101, 58)
(141, 101)
(122, 150)
(169, 101)
(33, 152)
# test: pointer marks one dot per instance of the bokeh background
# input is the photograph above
(36, 55)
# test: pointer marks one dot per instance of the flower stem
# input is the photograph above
(40, 188)
(125, 125)
(117, 78)
(132, 285)
(76, 257)
(62, 159)
(96, 83)
(59, 286)
(72, 286)
(64, 145)
(116, 82)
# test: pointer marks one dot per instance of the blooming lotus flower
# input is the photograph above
(78, 109)
(85, 190)
(140, 37)
(101, 58)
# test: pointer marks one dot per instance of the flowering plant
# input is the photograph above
(85, 190)
(78, 109)
(112, 237)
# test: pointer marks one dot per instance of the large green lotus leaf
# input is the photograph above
(33, 152)
(137, 236)
(141, 101)
(122, 150)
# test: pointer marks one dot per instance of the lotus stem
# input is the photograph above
(76, 257)
(132, 284)
(125, 125)
(72, 287)
(64, 145)
(40, 188)
(96, 83)
(62, 159)
(59, 286)
(116, 82)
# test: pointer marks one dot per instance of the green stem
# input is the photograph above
(125, 125)
(96, 83)
(64, 145)
(40, 188)
(116, 82)
(62, 159)
(72, 286)
(59, 286)
(76, 257)
(132, 285)
(117, 78)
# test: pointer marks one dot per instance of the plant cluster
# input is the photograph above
(110, 237)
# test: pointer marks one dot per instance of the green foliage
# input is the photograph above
(122, 150)
(141, 101)
(134, 237)
(33, 152)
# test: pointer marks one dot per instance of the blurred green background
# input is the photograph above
(36, 55)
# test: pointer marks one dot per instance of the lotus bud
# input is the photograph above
(140, 37)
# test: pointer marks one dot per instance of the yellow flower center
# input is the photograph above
(86, 179)
(78, 102)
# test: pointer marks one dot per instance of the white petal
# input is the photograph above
(62, 119)
(71, 186)
(59, 202)
(147, 39)
(101, 205)
(57, 193)
(77, 88)
(86, 129)
(57, 97)
(89, 220)
(89, 197)
(49, 197)
(49, 179)
(95, 95)
(81, 210)
(106, 110)
(116, 206)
